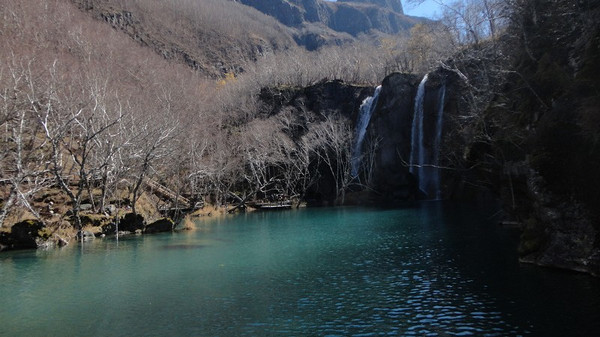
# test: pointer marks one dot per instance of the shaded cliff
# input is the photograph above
(529, 139)
(391, 128)
(561, 114)
(387, 178)
(521, 125)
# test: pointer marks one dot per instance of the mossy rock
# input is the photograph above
(95, 219)
(45, 233)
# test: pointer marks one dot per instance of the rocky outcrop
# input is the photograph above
(313, 39)
(559, 232)
(390, 126)
(25, 235)
(288, 13)
(29, 234)
(130, 223)
(161, 225)
(355, 19)
(316, 101)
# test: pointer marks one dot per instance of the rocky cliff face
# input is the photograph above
(394, 5)
(559, 189)
(559, 231)
(391, 127)
(288, 13)
(352, 17)
(533, 143)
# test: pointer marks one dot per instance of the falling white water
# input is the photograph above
(417, 149)
(438, 142)
(424, 162)
(364, 116)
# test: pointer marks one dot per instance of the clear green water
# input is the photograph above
(434, 269)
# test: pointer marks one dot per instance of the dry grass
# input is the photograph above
(190, 221)
(210, 211)
(187, 223)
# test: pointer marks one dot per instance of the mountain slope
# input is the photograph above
(211, 36)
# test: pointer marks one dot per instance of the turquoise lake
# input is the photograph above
(431, 269)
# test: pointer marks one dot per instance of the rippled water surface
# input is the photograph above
(432, 269)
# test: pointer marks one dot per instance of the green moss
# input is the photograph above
(45, 233)
(29, 222)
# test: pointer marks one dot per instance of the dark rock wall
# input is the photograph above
(391, 125)
(558, 198)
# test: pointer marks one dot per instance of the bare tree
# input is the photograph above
(72, 119)
(472, 21)
(150, 144)
(330, 141)
(296, 166)
(23, 158)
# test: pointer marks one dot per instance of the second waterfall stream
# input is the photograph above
(426, 139)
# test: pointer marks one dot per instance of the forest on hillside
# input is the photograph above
(102, 99)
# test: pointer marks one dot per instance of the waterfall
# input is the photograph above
(417, 148)
(438, 142)
(364, 116)
(424, 162)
